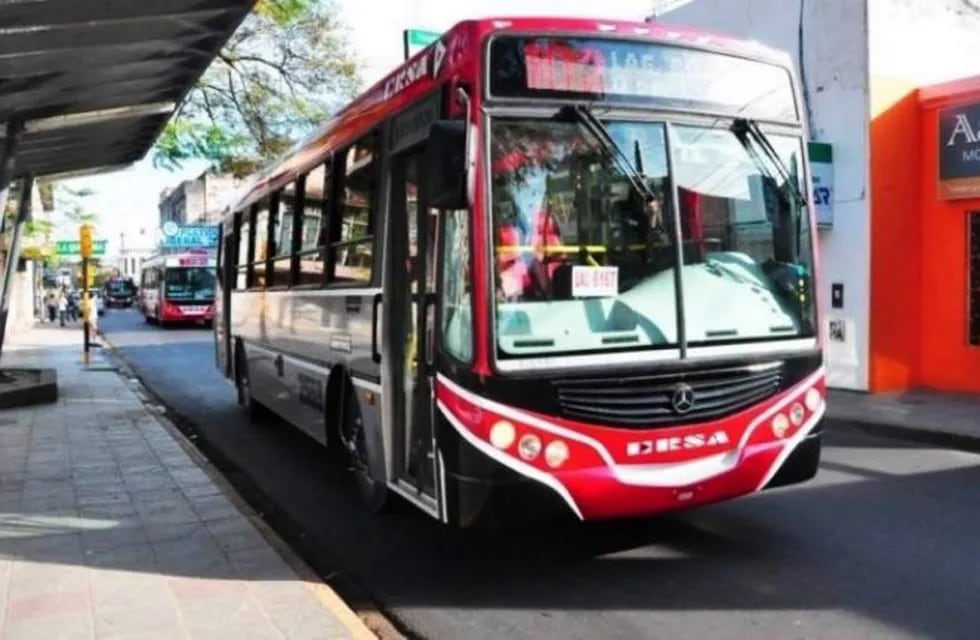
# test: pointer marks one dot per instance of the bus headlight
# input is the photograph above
(502, 434)
(796, 414)
(780, 425)
(556, 453)
(529, 447)
(812, 399)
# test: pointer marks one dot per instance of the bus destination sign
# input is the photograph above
(630, 71)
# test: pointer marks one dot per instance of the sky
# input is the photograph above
(126, 201)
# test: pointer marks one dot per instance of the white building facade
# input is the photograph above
(856, 59)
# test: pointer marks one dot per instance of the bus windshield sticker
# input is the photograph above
(639, 72)
(595, 282)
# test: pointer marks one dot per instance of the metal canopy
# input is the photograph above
(89, 84)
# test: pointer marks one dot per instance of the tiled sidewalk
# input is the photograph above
(109, 528)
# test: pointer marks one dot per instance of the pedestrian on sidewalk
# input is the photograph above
(62, 308)
(73, 306)
(51, 302)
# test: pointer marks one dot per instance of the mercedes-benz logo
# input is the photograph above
(682, 398)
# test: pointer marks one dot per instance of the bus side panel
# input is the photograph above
(312, 331)
(265, 386)
(151, 300)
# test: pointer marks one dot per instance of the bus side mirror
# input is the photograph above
(445, 165)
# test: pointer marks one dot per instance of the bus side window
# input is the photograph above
(457, 326)
(282, 238)
(244, 243)
(311, 249)
(353, 243)
(260, 245)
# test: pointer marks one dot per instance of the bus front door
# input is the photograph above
(410, 309)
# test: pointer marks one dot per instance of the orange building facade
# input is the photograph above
(925, 240)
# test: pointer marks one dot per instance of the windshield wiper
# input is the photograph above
(743, 128)
(595, 126)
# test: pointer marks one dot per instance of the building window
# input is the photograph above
(312, 232)
(974, 278)
(354, 239)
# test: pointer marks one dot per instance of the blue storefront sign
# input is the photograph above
(189, 236)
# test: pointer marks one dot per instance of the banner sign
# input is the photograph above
(959, 152)
(188, 236)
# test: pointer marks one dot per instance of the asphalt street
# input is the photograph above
(882, 544)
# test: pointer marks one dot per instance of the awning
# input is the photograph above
(90, 83)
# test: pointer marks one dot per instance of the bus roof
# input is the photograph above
(455, 49)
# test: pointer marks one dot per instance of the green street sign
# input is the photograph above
(72, 248)
(416, 39)
(419, 38)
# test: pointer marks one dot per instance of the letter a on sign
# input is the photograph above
(962, 128)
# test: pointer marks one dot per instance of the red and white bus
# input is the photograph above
(178, 288)
(546, 262)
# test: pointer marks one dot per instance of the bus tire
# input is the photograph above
(253, 408)
(365, 452)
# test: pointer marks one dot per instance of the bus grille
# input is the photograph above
(649, 401)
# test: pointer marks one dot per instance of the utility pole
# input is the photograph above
(85, 248)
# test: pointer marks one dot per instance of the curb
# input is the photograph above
(913, 434)
(323, 593)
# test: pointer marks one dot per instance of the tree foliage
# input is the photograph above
(283, 72)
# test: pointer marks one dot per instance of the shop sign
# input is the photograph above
(822, 176)
(959, 152)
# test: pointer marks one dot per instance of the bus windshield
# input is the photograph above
(120, 287)
(190, 283)
(585, 261)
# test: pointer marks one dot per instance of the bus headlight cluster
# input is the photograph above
(503, 435)
(529, 447)
(780, 425)
(812, 399)
(556, 453)
(797, 413)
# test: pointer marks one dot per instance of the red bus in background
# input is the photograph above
(546, 262)
(178, 288)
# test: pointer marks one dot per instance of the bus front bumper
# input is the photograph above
(764, 451)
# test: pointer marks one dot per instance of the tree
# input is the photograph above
(71, 203)
(282, 73)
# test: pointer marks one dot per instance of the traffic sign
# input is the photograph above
(73, 247)
(417, 39)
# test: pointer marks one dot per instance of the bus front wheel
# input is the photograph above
(243, 383)
(364, 454)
